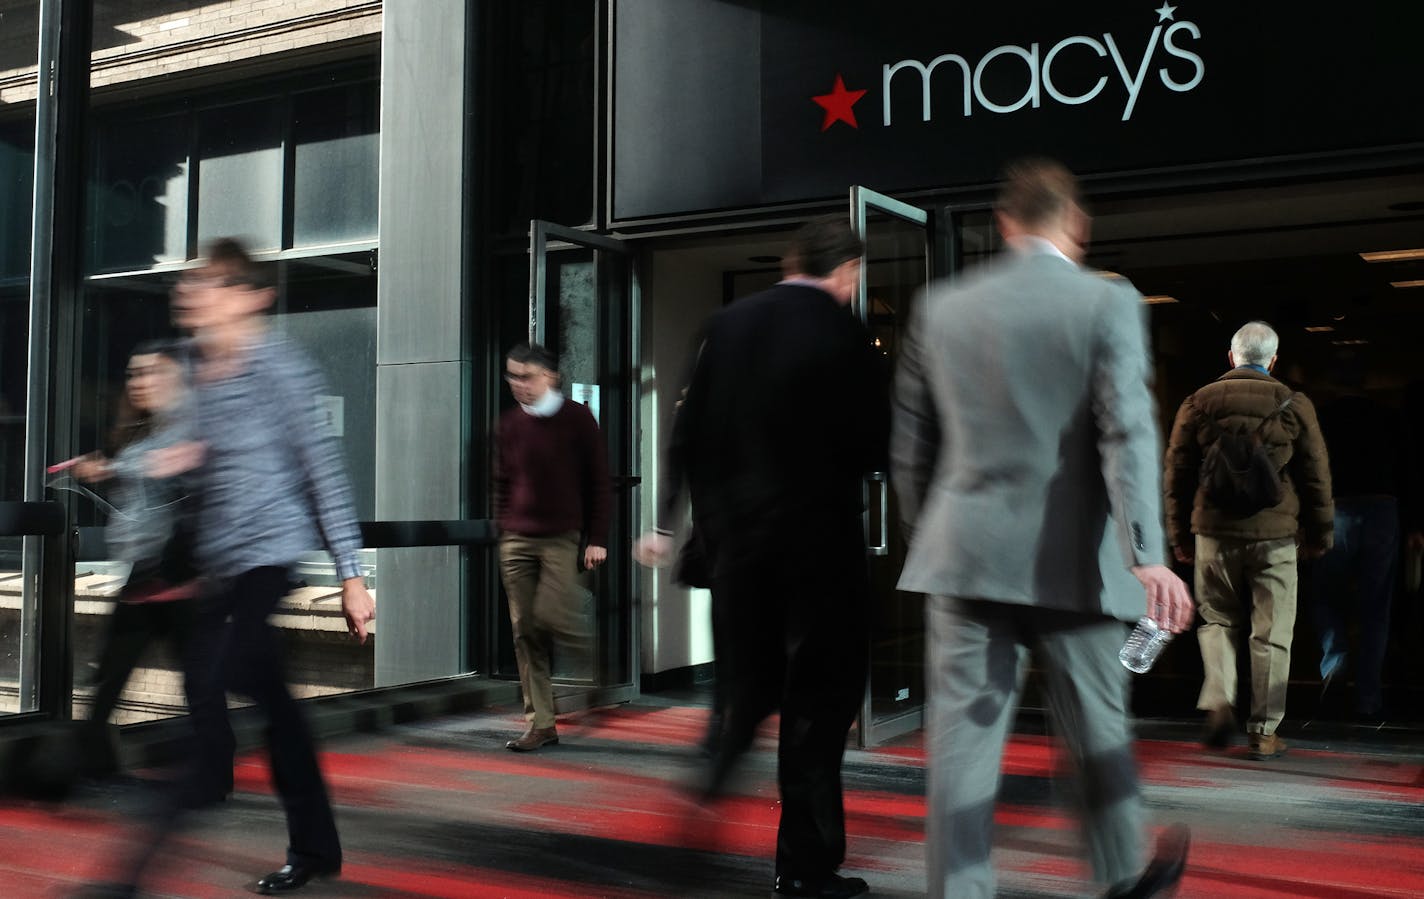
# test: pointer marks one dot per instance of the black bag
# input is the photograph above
(1237, 474)
(691, 568)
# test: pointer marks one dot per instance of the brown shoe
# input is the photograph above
(1220, 731)
(1267, 746)
(533, 738)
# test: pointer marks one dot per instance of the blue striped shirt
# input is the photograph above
(273, 484)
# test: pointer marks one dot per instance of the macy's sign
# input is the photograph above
(1186, 69)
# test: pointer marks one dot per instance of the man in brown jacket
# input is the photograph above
(1246, 565)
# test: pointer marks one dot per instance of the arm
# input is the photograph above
(297, 383)
(1309, 471)
(1127, 441)
(1179, 487)
(1124, 411)
(916, 436)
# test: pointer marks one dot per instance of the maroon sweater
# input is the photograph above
(551, 474)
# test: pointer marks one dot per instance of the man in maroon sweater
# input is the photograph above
(550, 493)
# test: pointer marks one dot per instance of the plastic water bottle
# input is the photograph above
(1143, 646)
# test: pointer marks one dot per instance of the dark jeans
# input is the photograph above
(797, 640)
(233, 648)
(1366, 552)
(132, 628)
(236, 649)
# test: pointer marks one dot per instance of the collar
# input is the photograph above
(546, 406)
(1260, 368)
(801, 281)
(1033, 245)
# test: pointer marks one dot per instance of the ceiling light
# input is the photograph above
(1418, 283)
(1320, 329)
(1356, 342)
(1159, 299)
(1393, 255)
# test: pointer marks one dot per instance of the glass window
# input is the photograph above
(140, 213)
(19, 48)
(240, 174)
(337, 143)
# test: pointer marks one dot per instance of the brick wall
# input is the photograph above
(185, 37)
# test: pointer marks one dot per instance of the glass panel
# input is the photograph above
(240, 174)
(896, 269)
(337, 146)
(19, 51)
(140, 193)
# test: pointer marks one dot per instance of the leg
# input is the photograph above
(753, 605)
(557, 615)
(1272, 578)
(975, 660)
(519, 565)
(1378, 562)
(1219, 590)
(257, 670)
(827, 654)
(131, 628)
(1088, 697)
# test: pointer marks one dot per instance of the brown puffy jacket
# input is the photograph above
(1293, 439)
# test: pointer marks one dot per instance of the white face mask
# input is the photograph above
(546, 405)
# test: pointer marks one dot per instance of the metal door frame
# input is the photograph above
(862, 201)
(544, 237)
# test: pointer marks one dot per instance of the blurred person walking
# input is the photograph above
(551, 494)
(1245, 549)
(1025, 457)
(272, 487)
(786, 412)
(149, 527)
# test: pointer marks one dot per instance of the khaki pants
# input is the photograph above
(540, 575)
(1235, 578)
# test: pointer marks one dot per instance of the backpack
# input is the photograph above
(1237, 474)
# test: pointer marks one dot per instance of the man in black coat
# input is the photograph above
(786, 412)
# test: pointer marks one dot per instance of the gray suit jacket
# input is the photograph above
(1025, 450)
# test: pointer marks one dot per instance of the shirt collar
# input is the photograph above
(1260, 368)
(1033, 245)
(546, 406)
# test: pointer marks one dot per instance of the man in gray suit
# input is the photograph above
(1025, 455)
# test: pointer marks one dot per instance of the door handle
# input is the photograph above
(882, 486)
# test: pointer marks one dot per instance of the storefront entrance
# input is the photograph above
(1207, 262)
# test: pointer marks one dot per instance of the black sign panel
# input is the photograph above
(904, 95)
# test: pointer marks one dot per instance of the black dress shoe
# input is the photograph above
(833, 887)
(293, 877)
(1163, 873)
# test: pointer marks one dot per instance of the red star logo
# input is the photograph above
(838, 103)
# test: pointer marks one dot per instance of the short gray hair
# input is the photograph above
(1255, 344)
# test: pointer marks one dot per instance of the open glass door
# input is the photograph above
(895, 267)
(583, 305)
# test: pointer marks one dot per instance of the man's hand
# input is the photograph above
(594, 556)
(171, 461)
(1182, 555)
(358, 606)
(653, 550)
(1168, 602)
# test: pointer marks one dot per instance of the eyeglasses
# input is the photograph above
(139, 372)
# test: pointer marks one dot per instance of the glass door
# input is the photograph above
(583, 305)
(895, 267)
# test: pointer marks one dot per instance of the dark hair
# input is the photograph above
(822, 245)
(228, 253)
(131, 424)
(1036, 189)
(533, 354)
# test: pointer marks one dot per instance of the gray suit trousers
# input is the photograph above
(978, 652)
